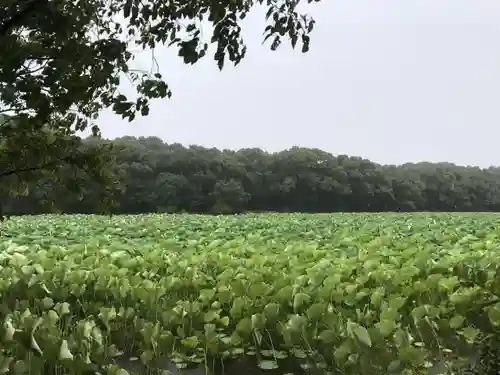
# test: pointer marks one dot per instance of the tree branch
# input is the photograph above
(18, 18)
(35, 168)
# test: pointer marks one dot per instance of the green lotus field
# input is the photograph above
(287, 293)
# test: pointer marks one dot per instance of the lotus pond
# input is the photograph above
(287, 293)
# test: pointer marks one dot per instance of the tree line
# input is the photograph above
(160, 177)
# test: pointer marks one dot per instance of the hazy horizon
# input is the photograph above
(393, 82)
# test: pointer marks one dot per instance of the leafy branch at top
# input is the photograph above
(81, 49)
(62, 63)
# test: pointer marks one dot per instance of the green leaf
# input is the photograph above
(63, 308)
(237, 307)
(386, 327)
(47, 303)
(207, 294)
(258, 321)
(285, 294)
(297, 322)
(401, 338)
(457, 321)
(396, 302)
(299, 353)
(52, 316)
(64, 352)
(268, 365)
(342, 352)
(361, 333)
(394, 366)
(377, 296)
(191, 342)
(458, 298)
(449, 283)
(470, 334)
(494, 315)
(9, 330)
(244, 326)
(412, 355)
(258, 290)
(300, 300)
(210, 316)
(316, 311)
(271, 311)
(35, 347)
(327, 336)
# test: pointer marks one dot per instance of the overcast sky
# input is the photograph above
(390, 80)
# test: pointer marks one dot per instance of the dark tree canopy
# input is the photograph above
(159, 177)
(61, 63)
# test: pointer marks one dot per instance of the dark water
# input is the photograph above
(243, 366)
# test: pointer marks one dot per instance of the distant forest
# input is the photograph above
(162, 177)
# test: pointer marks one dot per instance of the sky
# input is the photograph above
(389, 80)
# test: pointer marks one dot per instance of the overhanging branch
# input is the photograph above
(18, 18)
(35, 167)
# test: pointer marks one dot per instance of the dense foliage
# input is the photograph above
(62, 62)
(158, 177)
(349, 293)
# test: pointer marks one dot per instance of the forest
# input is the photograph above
(161, 177)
